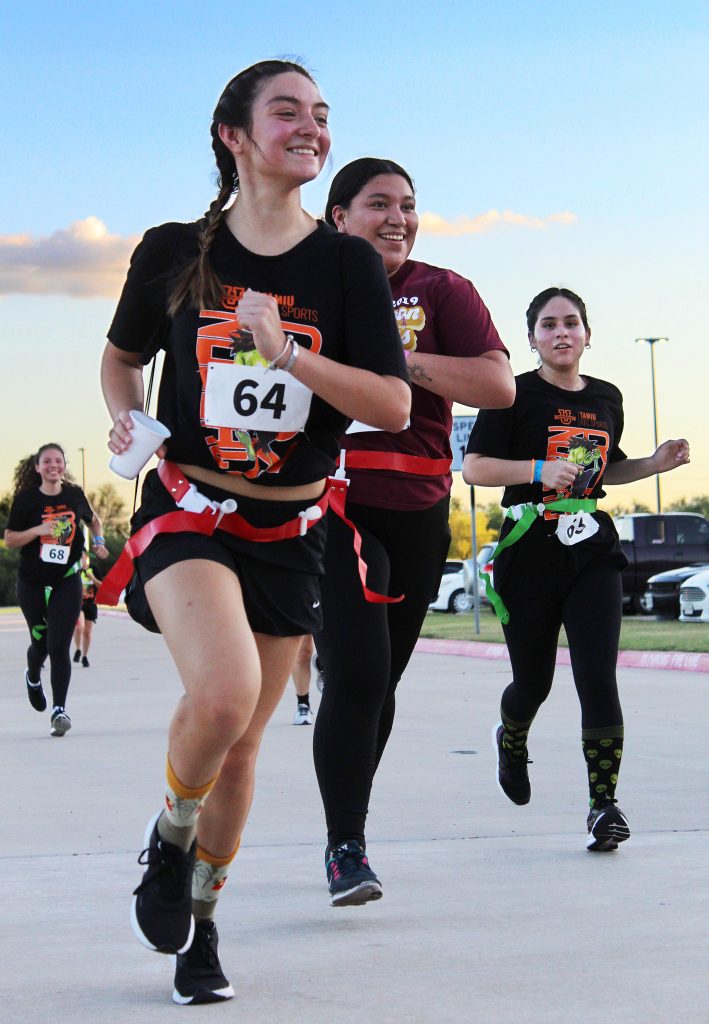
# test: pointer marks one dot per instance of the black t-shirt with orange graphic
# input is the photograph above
(66, 510)
(224, 409)
(547, 422)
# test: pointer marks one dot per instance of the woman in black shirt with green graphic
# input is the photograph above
(559, 558)
(45, 523)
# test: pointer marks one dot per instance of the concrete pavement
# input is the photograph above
(491, 913)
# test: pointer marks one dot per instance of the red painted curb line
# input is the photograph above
(678, 661)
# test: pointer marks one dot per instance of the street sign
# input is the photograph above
(462, 425)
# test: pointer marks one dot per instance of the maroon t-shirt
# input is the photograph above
(440, 312)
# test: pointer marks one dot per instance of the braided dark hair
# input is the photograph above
(197, 284)
(539, 302)
(351, 179)
(26, 475)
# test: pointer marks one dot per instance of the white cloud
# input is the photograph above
(83, 261)
(433, 224)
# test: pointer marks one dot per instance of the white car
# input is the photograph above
(694, 598)
(451, 595)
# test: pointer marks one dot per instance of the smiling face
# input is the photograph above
(51, 465)
(288, 138)
(383, 212)
(559, 334)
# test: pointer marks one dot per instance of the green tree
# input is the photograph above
(494, 514)
(699, 504)
(5, 503)
(111, 509)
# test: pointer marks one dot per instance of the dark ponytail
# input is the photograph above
(197, 285)
(27, 476)
(539, 302)
(351, 179)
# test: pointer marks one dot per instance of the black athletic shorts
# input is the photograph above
(90, 609)
(280, 580)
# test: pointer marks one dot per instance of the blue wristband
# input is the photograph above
(100, 540)
(538, 467)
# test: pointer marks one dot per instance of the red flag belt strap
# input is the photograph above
(397, 462)
(213, 518)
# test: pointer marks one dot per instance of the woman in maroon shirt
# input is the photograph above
(398, 498)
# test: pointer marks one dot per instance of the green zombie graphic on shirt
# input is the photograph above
(244, 351)
(585, 447)
(63, 526)
(586, 453)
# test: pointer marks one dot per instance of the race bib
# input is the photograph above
(255, 398)
(573, 528)
(55, 554)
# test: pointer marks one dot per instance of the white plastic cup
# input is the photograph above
(147, 436)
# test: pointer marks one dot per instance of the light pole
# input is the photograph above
(652, 342)
(83, 469)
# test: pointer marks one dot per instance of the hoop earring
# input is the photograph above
(587, 345)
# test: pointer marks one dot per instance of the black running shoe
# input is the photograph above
(607, 826)
(161, 913)
(77, 657)
(36, 694)
(84, 661)
(512, 774)
(349, 876)
(60, 724)
(199, 977)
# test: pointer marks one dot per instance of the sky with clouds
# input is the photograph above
(550, 143)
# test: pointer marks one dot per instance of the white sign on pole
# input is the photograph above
(462, 425)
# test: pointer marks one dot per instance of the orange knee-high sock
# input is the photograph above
(208, 879)
(183, 805)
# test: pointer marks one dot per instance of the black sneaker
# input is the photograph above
(198, 974)
(512, 774)
(349, 876)
(84, 661)
(60, 724)
(36, 694)
(161, 913)
(77, 657)
(607, 826)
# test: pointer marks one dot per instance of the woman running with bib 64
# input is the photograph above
(560, 560)
(277, 331)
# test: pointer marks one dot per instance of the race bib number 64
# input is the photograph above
(254, 398)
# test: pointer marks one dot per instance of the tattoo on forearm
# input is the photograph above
(417, 373)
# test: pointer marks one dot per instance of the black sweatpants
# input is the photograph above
(364, 648)
(58, 615)
(589, 605)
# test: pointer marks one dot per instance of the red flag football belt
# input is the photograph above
(198, 514)
(419, 465)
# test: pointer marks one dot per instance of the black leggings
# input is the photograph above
(590, 608)
(58, 615)
(364, 648)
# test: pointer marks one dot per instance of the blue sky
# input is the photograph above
(583, 129)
